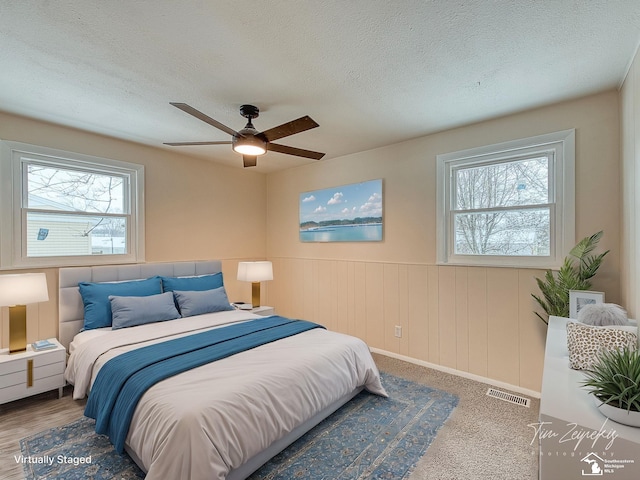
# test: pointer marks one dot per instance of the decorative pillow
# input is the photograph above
(199, 302)
(203, 282)
(603, 314)
(132, 311)
(585, 342)
(95, 296)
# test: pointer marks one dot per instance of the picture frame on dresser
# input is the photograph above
(581, 298)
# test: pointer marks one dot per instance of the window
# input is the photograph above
(510, 204)
(61, 208)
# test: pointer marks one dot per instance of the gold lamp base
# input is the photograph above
(17, 328)
(255, 294)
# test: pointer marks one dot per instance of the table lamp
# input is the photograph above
(255, 272)
(16, 291)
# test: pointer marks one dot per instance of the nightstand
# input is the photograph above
(29, 373)
(263, 310)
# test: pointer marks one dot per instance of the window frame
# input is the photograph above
(14, 158)
(561, 146)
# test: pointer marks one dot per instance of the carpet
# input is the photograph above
(370, 437)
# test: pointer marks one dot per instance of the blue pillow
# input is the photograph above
(199, 302)
(132, 311)
(95, 296)
(204, 282)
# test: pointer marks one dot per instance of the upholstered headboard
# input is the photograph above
(70, 306)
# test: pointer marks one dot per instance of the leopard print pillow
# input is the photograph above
(585, 342)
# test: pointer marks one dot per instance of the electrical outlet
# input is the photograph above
(398, 331)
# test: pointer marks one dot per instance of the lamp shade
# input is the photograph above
(255, 271)
(22, 289)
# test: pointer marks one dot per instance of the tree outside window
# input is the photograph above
(60, 208)
(84, 212)
(503, 208)
(509, 204)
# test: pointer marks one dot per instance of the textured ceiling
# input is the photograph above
(370, 72)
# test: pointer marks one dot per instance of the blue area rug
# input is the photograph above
(370, 437)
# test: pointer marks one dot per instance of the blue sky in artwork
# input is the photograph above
(343, 202)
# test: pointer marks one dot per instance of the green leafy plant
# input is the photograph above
(574, 274)
(615, 378)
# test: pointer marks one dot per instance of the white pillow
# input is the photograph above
(603, 314)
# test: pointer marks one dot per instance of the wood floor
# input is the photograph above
(31, 415)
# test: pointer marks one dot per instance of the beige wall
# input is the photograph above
(477, 320)
(194, 209)
(630, 216)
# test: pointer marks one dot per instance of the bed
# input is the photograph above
(223, 419)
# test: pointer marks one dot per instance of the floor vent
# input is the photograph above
(509, 397)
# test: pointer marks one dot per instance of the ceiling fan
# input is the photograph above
(248, 141)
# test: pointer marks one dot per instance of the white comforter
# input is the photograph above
(204, 423)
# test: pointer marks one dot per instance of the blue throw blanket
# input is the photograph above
(124, 379)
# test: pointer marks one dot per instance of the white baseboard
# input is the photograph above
(459, 373)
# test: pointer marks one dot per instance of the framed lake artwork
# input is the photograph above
(348, 213)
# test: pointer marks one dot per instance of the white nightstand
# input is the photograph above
(30, 372)
(263, 310)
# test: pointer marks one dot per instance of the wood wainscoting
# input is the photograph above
(476, 320)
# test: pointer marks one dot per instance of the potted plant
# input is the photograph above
(614, 381)
(574, 274)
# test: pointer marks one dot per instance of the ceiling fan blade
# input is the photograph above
(182, 144)
(290, 128)
(274, 147)
(249, 160)
(205, 118)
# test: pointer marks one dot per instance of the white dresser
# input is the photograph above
(576, 440)
(29, 373)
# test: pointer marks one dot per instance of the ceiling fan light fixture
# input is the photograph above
(248, 149)
(249, 144)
